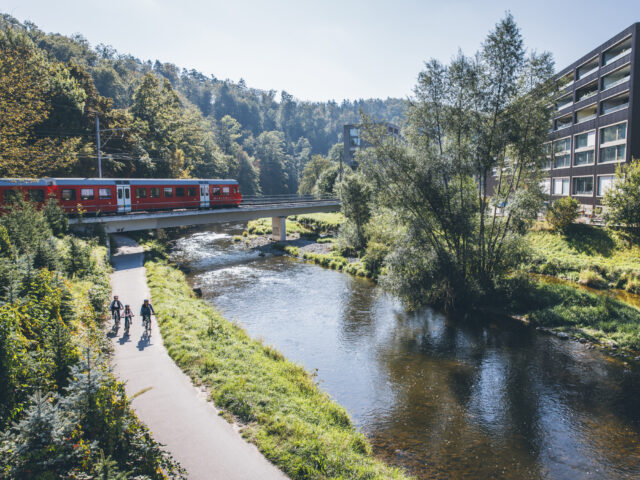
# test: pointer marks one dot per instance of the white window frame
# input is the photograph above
(553, 186)
(628, 64)
(614, 143)
(582, 194)
(597, 185)
(555, 154)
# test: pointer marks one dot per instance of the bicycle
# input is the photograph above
(127, 323)
(115, 316)
(146, 323)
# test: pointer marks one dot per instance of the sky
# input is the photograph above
(324, 49)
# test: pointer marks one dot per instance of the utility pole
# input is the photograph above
(98, 141)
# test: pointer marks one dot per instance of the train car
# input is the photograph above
(104, 196)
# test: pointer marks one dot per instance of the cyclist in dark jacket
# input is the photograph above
(115, 308)
(147, 309)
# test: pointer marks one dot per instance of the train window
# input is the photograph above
(68, 194)
(225, 190)
(179, 191)
(191, 191)
(127, 193)
(120, 194)
(141, 193)
(104, 193)
(10, 196)
(36, 195)
(215, 191)
(168, 192)
(154, 192)
(87, 194)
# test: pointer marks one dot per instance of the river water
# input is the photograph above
(441, 397)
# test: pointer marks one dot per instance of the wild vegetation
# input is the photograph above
(161, 121)
(62, 412)
(278, 404)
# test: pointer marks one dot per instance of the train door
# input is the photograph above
(124, 198)
(204, 195)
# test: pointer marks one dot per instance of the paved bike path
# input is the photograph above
(177, 413)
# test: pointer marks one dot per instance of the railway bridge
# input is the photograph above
(278, 207)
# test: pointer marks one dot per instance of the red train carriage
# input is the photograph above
(98, 195)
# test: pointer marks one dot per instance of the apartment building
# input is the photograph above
(596, 121)
(353, 141)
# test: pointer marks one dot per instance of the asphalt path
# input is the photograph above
(177, 413)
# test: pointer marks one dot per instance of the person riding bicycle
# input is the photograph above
(128, 315)
(146, 311)
(115, 308)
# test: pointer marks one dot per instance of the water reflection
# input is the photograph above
(443, 397)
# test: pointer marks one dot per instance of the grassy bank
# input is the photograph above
(294, 424)
(314, 224)
(590, 255)
(597, 318)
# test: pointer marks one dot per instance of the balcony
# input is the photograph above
(617, 77)
(587, 113)
(588, 68)
(564, 102)
(613, 104)
(586, 91)
(566, 80)
(617, 51)
(564, 122)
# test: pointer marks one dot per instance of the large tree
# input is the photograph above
(464, 181)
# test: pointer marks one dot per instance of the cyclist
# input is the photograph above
(145, 312)
(115, 307)
(128, 315)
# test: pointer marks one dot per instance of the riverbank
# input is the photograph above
(588, 254)
(277, 403)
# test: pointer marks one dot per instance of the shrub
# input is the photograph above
(562, 214)
(623, 199)
(592, 279)
(374, 257)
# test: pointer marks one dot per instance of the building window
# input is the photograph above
(587, 68)
(104, 193)
(605, 182)
(617, 77)
(141, 193)
(87, 194)
(562, 153)
(154, 192)
(613, 146)
(585, 140)
(613, 104)
(564, 102)
(561, 186)
(583, 186)
(191, 191)
(545, 185)
(587, 113)
(168, 192)
(617, 51)
(584, 158)
(564, 122)
(68, 194)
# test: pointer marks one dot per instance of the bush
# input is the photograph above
(592, 279)
(562, 214)
(374, 256)
(623, 199)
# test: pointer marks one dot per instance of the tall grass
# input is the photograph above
(293, 423)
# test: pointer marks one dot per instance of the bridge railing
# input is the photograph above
(290, 198)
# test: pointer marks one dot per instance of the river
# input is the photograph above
(439, 396)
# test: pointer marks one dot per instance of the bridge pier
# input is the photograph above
(107, 242)
(279, 228)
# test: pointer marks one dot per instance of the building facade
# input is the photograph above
(596, 121)
(353, 141)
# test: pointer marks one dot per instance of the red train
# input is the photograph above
(101, 195)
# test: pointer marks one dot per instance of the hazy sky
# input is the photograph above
(324, 49)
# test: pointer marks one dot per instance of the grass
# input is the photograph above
(307, 225)
(335, 261)
(565, 308)
(293, 423)
(591, 255)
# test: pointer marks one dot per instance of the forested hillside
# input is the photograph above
(158, 120)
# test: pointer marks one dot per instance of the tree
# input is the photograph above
(355, 198)
(272, 157)
(623, 198)
(311, 173)
(562, 213)
(465, 182)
